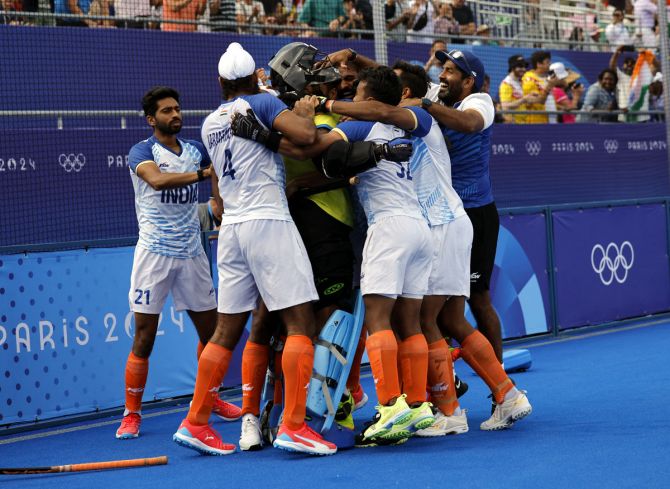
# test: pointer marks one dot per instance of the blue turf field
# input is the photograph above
(600, 419)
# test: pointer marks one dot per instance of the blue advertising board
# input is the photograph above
(611, 263)
(66, 331)
(520, 283)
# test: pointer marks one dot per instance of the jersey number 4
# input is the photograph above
(404, 173)
(228, 170)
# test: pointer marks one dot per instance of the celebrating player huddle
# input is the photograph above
(283, 247)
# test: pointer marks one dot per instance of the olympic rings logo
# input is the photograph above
(533, 147)
(611, 145)
(612, 263)
(72, 162)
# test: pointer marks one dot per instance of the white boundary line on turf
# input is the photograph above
(591, 335)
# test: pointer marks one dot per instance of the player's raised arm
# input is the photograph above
(297, 125)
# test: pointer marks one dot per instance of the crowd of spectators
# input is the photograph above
(613, 23)
(547, 93)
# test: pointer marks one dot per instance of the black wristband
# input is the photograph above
(273, 141)
(201, 175)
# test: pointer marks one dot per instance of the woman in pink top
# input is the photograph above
(566, 81)
(181, 10)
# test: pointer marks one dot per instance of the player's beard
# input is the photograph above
(171, 128)
(450, 95)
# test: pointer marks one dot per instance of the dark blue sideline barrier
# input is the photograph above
(85, 172)
(66, 329)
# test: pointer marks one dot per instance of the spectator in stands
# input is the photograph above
(445, 23)
(536, 81)
(567, 93)
(484, 31)
(601, 96)
(433, 66)
(101, 8)
(623, 75)
(616, 32)
(486, 87)
(421, 23)
(222, 11)
(357, 15)
(7, 12)
(623, 5)
(645, 20)
(319, 13)
(133, 14)
(181, 10)
(397, 16)
(249, 12)
(464, 16)
(656, 101)
(75, 7)
(511, 92)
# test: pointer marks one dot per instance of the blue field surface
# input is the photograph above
(600, 419)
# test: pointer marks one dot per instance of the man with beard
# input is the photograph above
(467, 117)
(169, 256)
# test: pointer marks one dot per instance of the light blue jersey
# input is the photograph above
(431, 168)
(168, 219)
(388, 188)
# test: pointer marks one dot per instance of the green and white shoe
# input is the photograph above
(387, 417)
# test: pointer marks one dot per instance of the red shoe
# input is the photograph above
(455, 353)
(360, 397)
(130, 427)
(226, 411)
(201, 438)
(303, 440)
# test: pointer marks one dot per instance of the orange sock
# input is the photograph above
(199, 351)
(137, 370)
(478, 353)
(254, 366)
(297, 363)
(441, 378)
(383, 353)
(354, 379)
(413, 358)
(212, 367)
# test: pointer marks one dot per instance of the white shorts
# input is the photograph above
(154, 276)
(397, 257)
(263, 256)
(452, 245)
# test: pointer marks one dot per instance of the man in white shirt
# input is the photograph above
(617, 33)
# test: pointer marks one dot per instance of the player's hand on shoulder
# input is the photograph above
(305, 106)
(247, 126)
(207, 172)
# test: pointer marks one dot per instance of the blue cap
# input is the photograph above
(466, 62)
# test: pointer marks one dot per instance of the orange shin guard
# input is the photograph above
(478, 353)
(137, 370)
(212, 367)
(254, 366)
(441, 377)
(297, 363)
(354, 379)
(413, 355)
(383, 352)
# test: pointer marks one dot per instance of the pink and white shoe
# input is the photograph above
(201, 438)
(130, 427)
(226, 411)
(303, 440)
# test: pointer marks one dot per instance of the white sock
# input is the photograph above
(511, 393)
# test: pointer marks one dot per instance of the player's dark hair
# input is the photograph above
(230, 88)
(382, 84)
(413, 77)
(538, 57)
(153, 96)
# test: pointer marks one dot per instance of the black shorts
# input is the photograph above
(329, 250)
(485, 226)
